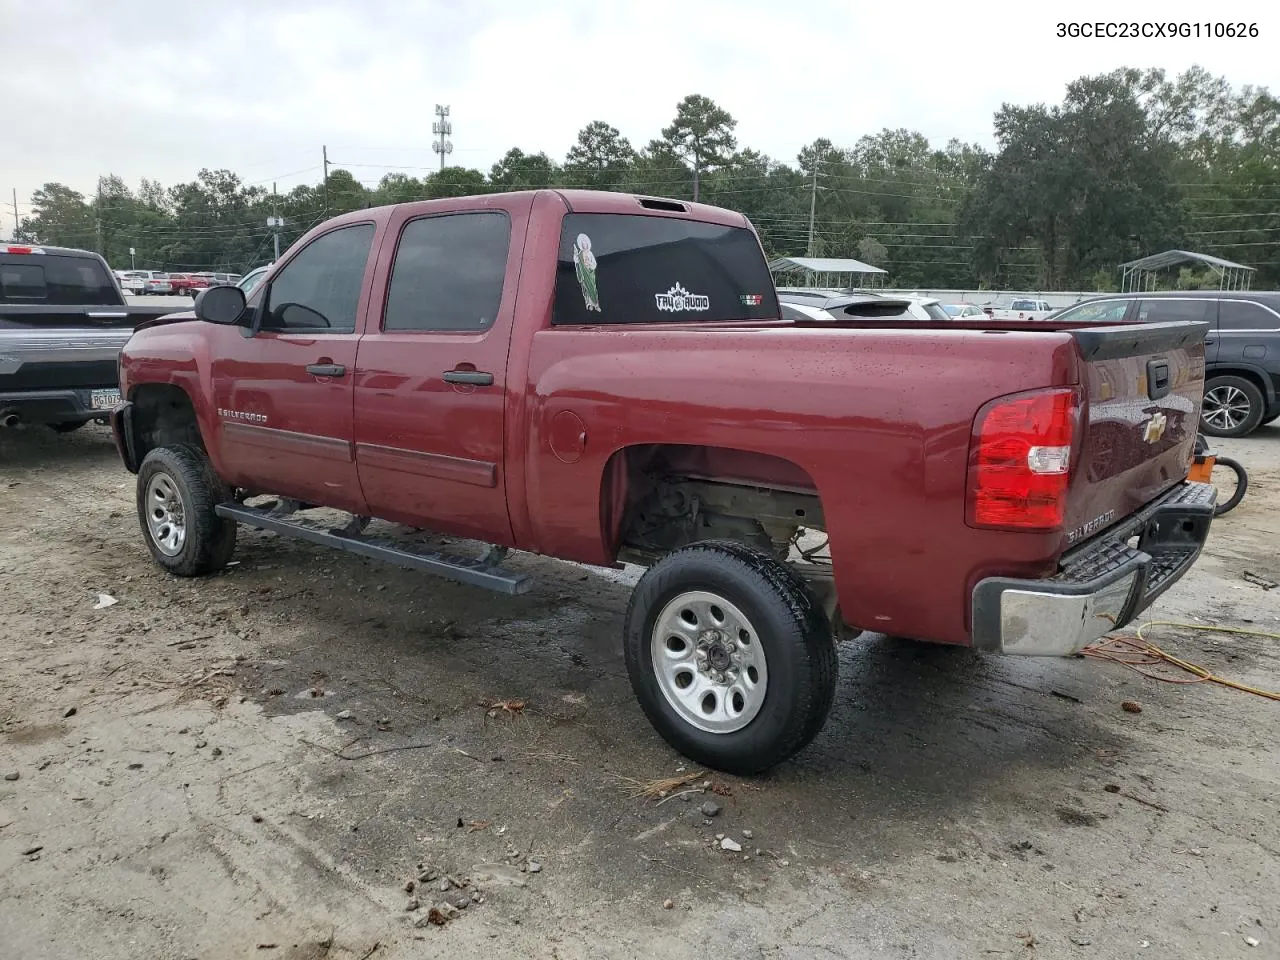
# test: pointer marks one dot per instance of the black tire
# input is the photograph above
(1240, 393)
(209, 540)
(67, 426)
(791, 628)
(1242, 484)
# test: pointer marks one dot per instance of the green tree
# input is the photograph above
(518, 170)
(346, 193)
(702, 135)
(60, 218)
(399, 188)
(600, 159)
(456, 182)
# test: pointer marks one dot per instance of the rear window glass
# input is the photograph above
(631, 268)
(49, 278)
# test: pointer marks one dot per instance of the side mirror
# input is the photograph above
(223, 305)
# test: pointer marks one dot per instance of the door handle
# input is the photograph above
(476, 378)
(1208, 343)
(326, 369)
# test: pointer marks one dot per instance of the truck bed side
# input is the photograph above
(877, 422)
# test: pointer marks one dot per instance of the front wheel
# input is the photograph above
(731, 657)
(1241, 484)
(177, 491)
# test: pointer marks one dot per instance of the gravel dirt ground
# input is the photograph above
(258, 764)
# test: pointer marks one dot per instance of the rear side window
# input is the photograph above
(936, 312)
(1242, 315)
(448, 273)
(319, 289)
(1156, 311)
(631, 268)
(52, 279)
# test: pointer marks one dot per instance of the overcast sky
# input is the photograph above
(145, 88)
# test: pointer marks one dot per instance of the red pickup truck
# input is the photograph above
(602, 377)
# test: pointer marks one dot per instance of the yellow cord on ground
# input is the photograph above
(1137, 652)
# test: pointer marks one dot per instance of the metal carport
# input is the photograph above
(1139, 275)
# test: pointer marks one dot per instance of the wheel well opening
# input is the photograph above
(1251, 375)
(163, 416)
(659, 497)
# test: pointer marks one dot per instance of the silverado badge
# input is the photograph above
(1154, 429)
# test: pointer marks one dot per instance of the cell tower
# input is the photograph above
(442, 128)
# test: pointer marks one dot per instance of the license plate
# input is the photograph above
(104, 399)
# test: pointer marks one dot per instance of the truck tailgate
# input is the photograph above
(1143, 385)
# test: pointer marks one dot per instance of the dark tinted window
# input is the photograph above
(448, 273)
(1242, 315)
(936, 312)
(1159, 310)
(49, 278)
(629, 268)
(319, 289)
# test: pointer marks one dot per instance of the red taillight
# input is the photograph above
(12, 249)
(1020, 461)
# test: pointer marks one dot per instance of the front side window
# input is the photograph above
(632, 268)
(319, 289)
(448, 273)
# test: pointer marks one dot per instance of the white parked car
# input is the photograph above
(131, 281)
(964, 311)
(148, 282)
(818, 305)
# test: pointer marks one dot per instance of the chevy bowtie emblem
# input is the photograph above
(1154, 429)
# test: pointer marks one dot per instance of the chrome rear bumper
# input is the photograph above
(1101, 585)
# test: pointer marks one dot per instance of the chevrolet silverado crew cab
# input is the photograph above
(63, 320)
(604, 378)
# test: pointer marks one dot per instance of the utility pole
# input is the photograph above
(325, 154)
(442, 128)
(98, 210)
(16, 228)
(813, 205)
(275, 222)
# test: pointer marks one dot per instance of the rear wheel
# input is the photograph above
(177, 491)
(732, 659)
(1232, 407)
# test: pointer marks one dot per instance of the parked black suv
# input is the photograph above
(1242, 351)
